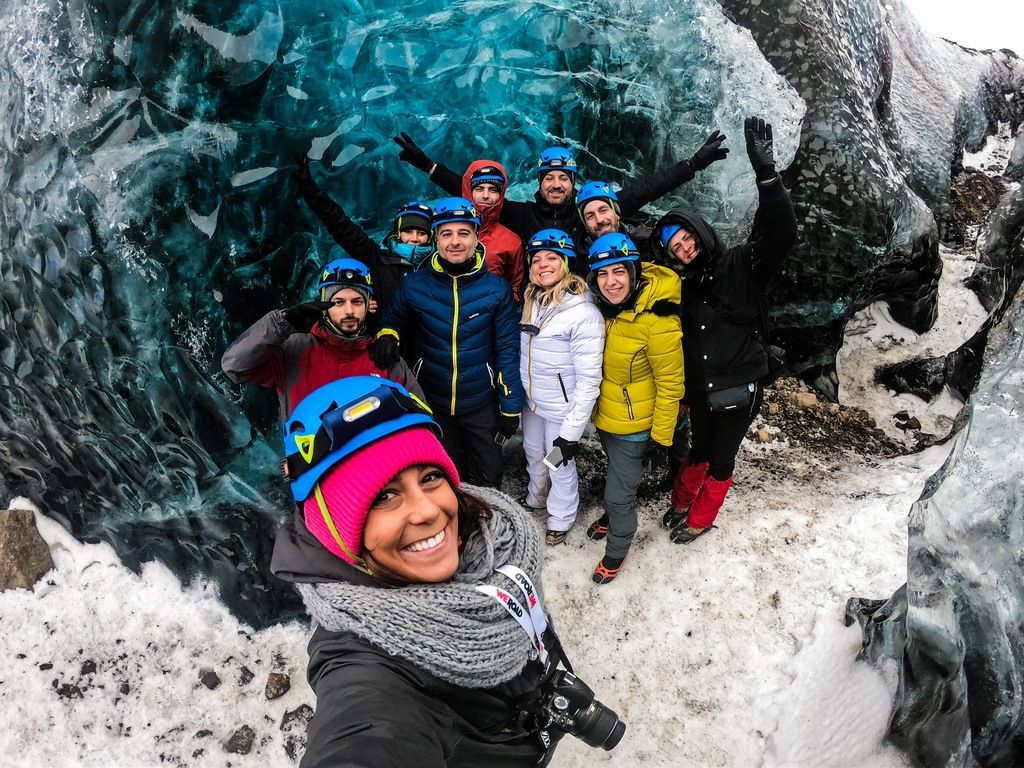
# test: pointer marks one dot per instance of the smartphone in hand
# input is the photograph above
(500, 439)
(555, 459)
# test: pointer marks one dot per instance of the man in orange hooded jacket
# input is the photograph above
(484, 182)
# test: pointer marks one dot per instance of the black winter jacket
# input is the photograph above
(724, 307)
(374, 710)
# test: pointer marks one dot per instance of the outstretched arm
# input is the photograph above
(345, 232)
(639, 193)
(774, 232)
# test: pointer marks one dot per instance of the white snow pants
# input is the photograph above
(560, 488)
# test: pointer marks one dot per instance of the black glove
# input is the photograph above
(656, 455)
(760, 147)
(508, 425)
(384, 352)
(411, 153)
(710, 152)
(570, 449)
(302, 176)
(302, 317)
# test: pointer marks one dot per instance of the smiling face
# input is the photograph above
(555, 187)
(456, 241)
(600, 218)
(412, 529)
(414, 236)
(348, 310)
(546, 268)
(683, 246)
(613, 283)
(485, 195)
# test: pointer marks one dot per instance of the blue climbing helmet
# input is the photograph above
(552, 240)
(556, 159)
(344, 273)
(455, 209)
(336, 420)
(612, 248)
(413, 215)
(596, 190)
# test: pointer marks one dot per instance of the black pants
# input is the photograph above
(469, 440)
(717, 436)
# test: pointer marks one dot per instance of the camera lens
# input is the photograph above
(598, 726)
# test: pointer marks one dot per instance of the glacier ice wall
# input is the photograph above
(147, 218)
(954, 630)
(890, 109)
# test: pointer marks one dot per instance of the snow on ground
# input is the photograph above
(873, 339)
(728, 651)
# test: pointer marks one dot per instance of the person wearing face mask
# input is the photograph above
(402, 250)
(641, 382)
(431, 645)
(725, 333)
(554, 204)
(466, 343)
(561, 339)
(484, 183)
(297, 350)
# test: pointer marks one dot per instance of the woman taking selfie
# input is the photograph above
(430, 644)
(562, 335)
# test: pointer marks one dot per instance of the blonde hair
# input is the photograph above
(544, 297)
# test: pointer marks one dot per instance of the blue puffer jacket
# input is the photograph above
(466, 337)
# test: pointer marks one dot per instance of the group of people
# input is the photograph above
(421, 356)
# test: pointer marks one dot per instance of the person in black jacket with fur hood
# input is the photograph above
(725, 333)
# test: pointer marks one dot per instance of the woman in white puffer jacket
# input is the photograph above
(561, 344)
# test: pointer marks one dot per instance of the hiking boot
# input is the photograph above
(554, 538)
(683, 534)
(673, 517)
(599, 528)
(607, 569)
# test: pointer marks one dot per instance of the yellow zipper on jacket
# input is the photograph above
(455, 332)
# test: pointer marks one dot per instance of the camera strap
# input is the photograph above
(532, 618)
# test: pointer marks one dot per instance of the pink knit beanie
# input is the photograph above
(350, 487)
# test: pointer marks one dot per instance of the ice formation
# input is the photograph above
(147, 213)
(954, 630)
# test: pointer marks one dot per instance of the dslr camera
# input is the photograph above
(569, 706)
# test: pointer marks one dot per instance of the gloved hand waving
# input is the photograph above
(711, 151)
(760, 147)
(411, 153)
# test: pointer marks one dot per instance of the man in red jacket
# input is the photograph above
(299, 349)
(484, 182)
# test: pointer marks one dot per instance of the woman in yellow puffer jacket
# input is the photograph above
(641, 383)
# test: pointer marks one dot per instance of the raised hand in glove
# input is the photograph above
(508, 425)
(711, 151)
(302, 317)
(570, 449)
(411, 153)
(760, 147)
(384, 352)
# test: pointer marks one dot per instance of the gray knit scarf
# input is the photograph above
(450, 630)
